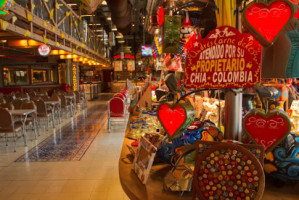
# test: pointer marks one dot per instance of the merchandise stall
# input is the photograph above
(223, 132)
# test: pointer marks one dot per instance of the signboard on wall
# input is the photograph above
(131, 65)
(75, 76)
(224, 59)
(118, 66)
(44, 50)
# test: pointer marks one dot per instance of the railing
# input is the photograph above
(55, 23)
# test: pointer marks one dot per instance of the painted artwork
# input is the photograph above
(144, 159)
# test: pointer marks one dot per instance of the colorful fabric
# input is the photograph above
(226, 12)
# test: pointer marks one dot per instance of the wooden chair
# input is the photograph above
(7, 125)
(8, 106)
(17, 103)
(116, 109)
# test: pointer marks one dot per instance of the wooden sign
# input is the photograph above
(267, 129)
(266, 20)
(144, 159)
(224, 59)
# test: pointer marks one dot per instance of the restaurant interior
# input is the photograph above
(82, 83)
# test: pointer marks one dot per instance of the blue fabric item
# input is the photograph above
(292, 69)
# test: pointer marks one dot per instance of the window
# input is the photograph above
(15, 76)
(42, 75)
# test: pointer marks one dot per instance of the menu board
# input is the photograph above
(118, 66)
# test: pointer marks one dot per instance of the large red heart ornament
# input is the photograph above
(175, 119)
(265, 21)
(267, 129)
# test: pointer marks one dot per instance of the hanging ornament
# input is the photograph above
(172, 26)
(186, 28)
(294, 1)
(265, 21)
(5, 6)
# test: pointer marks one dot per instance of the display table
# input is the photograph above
(153, 190)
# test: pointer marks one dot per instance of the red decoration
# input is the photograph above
(160, 15)
(294, 1)
(296, 15)
(224, 59)
(267, 129)
(265, 21)
(175, 119)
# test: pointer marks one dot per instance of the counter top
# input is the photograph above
(153, 190)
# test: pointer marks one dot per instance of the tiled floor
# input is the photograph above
(94, 177)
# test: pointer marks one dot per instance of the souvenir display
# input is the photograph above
(228, 171)
(172, 26)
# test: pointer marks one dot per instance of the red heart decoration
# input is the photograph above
(265, 21)
(267, 129)
(175, 119)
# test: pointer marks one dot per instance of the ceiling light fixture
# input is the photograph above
(104, 3)
(109, 18)
(71, 4)
(94, 24)
(114, 28)
(87, 15)
(119, 35)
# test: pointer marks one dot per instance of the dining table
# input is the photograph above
(21, 115)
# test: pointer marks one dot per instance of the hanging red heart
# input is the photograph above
(294, 1)
(175, 119)
(265, 21)
(267, 129)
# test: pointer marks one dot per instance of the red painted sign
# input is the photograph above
(125, 56)
(224, 59)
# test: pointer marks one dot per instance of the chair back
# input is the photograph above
(9, 98)
(45, 98)
(25, 95)
(120, 96)
(17, 103)
(63, 100)
(6, 119)
(40, 106)
(9, 106)
(117, 105)
(55, 97)
(32, 94)
(2, 100)
(28, 105)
